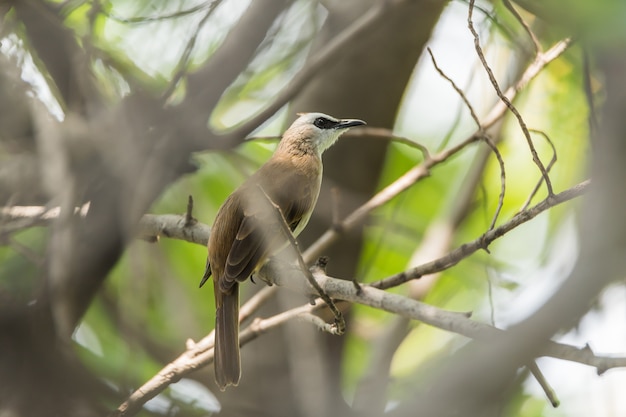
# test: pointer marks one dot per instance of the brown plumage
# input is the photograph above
(247, 229)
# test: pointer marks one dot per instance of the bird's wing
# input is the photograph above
(207, 273)
(260, 233)
(258, 230)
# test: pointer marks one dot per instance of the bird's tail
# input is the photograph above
(227, 359)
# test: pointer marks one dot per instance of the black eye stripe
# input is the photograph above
(324, 123)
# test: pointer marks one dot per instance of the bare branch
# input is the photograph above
(184, 59)
(456, 88)
(525, 25)
(137, 20)
(545, 385)
(423, 170)
(483, 241)
(506, 101)
(386, 134)
(548, 168)
(201, 354)
(496, 152)
(485, 138)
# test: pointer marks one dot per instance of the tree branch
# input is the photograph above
(201, 354)
(483, 241)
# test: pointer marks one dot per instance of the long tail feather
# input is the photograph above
(227, 359)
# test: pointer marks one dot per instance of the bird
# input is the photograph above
(246, 231)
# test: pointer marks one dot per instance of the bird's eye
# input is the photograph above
(324, 123)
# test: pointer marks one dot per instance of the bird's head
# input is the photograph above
(316, 132)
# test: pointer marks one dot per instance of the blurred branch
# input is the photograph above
(157, 18)
(388, 135)
(56, 46)
(317, 62)
(522, 22)
(183, 62)
(206, 86)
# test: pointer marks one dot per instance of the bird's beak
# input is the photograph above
(346, 123)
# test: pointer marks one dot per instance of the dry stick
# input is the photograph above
(506, 100)
(496, 152)
(540, 61)
(387, 134)
(189, 219)
(543, 382)
(456, 88)
(184, 59)
(17, 218)
(151, 19)
(548, 168)
(484, 136)
(522, 22)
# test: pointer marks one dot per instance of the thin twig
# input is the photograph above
(548, 168)
(533, 69)
(482, 241)
(456, 88)
(382, 197)
(496, 152)
(543, 382)
(506, 100)
(181, 68)
(485, 138)
(150, 19)
(518, 17)
(189, 219)
(387, 134)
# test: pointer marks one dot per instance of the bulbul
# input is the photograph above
(246, 230)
